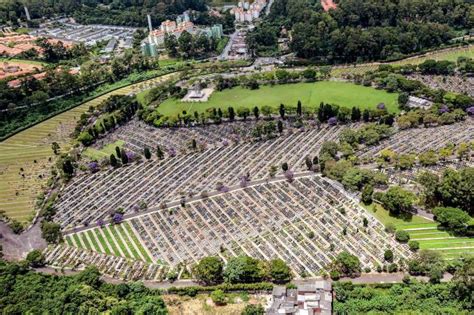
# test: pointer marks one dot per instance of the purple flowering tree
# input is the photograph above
(130, 155)
(290, 176)
(244, 180)
(93, 167)
(172, 152)
(443, 109)
(381, 106)
(100, 223)
(117, 218)
(332, 121)
(470, 111)
(225, 143)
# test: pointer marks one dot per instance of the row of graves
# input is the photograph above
(90, 197)
(306, 222)
(418, 140)
(173, 141)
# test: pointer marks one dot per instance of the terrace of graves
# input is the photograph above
(306, 222)
(417, 140)
(90, 197)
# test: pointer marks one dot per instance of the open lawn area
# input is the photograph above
(427, 233)
(105, 152)
(310, 94)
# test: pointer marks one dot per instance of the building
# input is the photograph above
(418, 102)
(246, 12)
(168, 27)
(307, 299)
(149, 49)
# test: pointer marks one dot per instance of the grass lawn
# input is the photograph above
(25, 61)
(105, 152)
(137, 242)
(117, 238)
(427, 233)
(102, 242)
(95, 245)
(112, 244)
(310, 94)
(119, 229)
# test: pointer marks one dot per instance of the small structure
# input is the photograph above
(418, 102)
(308, 299)
(197, 94)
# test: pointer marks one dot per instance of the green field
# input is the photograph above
(310, 94)
(104, 152)
(427, 233)
(25, 61)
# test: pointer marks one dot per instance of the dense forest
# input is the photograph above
(23, 291)
(113, 12)
(363, 30)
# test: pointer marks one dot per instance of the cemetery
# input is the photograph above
(306, 222)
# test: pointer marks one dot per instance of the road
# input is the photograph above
(164, 285)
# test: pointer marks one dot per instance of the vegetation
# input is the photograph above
(361, 30)
(410, 297)
(310, 95)
(27, 292)
(209, 270)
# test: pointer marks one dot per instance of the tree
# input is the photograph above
(309, 163)
(284, 167)
(118, 152)
(159, 153)
(428, 158)
(243, 112)
(218, 297)
(367, 193)
(68, 168)
(209, 270)
(51, 231)
(299, 109)
(55, 147)
(402, 236)
(256, 112)
(231, 113)
(35, 259)
(280, 126)
(252, 309)
(282, 111)
(90, 276)
(414, 245)
(397, 200)
(452, 218)
(243, 269)
(123, 156)
(170, 45)
(347, 264)
(388, 255)
(279, 271)
(147, 153)
(113, 160)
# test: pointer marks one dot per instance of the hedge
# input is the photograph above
(226, 287)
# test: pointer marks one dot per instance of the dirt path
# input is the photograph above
(16, 247)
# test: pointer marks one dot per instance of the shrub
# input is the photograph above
(335, 275)
(218, 297)
(252, 309)
(388, 255)
(402, 236)
(35, 259)
(209, 270)
(414, 245)
(279, 271)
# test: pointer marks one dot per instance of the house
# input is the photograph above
(307, 299)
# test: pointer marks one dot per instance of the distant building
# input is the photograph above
(246, 12)
(418, 102)
(308, 299)
(149, 49)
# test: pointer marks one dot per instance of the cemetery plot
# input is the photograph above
(428, 234)
(31, 150)
(65, 256)
(417, 140)
(135, 136)
(306, 223)
(458, 84)
(118, 240)
(90, 197)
